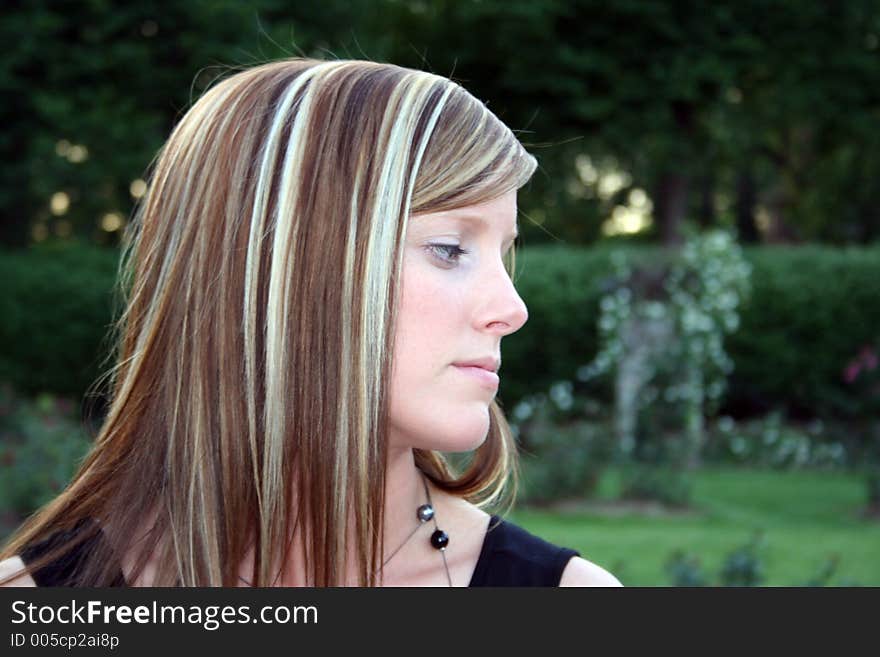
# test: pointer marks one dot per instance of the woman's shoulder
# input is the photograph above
(513, 556)
(581, 572)
(15, 566)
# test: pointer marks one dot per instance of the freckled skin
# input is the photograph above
(452, 308)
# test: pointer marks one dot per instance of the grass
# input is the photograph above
(805, 517)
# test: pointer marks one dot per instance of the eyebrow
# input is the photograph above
(478, 219)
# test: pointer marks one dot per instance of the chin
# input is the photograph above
(459, 445)
(448, 437)
(448, 429)
(466, 439)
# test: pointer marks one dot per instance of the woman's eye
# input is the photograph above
(449, 253)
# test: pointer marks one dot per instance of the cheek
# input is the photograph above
(427, 315)
(430, 406)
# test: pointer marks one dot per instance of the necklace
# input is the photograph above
(439, 539)
(425, 513)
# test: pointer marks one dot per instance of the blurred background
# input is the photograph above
(697, 391)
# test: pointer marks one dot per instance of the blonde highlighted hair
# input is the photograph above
(260, 276)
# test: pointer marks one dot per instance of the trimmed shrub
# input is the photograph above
(812, 310)
(56, 309)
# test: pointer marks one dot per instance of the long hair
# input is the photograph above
(260, 274)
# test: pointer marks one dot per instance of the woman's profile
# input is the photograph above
(316, 283)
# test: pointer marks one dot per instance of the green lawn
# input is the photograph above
(805, 517)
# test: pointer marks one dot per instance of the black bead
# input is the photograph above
(425, 512)
(439, 539)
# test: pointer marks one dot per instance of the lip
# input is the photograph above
(489, 363)
(484, 377)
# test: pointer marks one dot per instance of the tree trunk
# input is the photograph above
(706, 216)
(672, 197)
(674, 181)
(642, 339)
(780, 231)
(746, 196)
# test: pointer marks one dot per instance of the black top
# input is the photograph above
(63, 570)
(510, 556)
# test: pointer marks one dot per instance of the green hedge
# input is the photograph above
(56, 309)
(812, 309)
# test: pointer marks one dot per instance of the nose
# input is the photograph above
(503, 310)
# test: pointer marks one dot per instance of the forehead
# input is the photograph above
(498, 215)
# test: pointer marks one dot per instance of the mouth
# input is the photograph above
(486, 378)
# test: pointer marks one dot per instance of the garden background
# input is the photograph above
(697, 391)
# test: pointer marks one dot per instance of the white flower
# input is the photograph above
(726, 423)
(560, 393)
(523, 411)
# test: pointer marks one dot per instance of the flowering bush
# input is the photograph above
(771, 442)
(661, 334)
(744, 566)
(861, 366)
(861, 376)
(41, 444)
(564, 441)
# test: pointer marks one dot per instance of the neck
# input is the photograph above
(404, 493)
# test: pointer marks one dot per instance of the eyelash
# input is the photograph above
(457, 251)
(450, 250)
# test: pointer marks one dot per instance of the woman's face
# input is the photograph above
(457, 302)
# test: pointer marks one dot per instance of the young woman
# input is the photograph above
(317, 285)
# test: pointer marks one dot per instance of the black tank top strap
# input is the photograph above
(511, 556)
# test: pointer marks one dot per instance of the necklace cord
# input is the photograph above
(442, 548)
